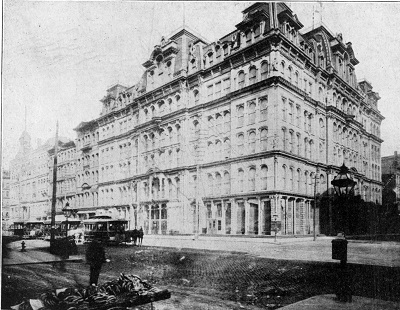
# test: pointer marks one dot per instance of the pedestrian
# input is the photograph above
(140, 236)
(135, 235)
(95, 257)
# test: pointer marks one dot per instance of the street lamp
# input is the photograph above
(275, 220)
(344, 185)
(68, 212)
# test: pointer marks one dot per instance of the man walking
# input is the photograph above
(95, 257)
(140, 236)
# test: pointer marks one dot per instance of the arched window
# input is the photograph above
(248, 37)
(196, 97)
(219, 121)
(218, 183)
(210, 184)
(264, 70)
(290, 73)
(240, 113)
(240, 143)
(218, 149)
(210, 57)
(284, 176)
(298, 181)
(252, 179)
(291, 142)
(264, 139)
(264, 175)
(240, 180)
(263, 109)
(227, 183)
(284, 138)
(306, 182)
(218, 52)
(227, 148)
(252, 142)
(296, 79)
(291, 179)
(252, 113)
(252, 75)
(240, 80)
(178, 101)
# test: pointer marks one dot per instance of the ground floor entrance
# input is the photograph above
(258, 216)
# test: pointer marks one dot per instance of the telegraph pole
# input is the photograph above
(54, 196)
(197, 203)
(315, 204)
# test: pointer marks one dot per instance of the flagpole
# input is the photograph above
(54, 196)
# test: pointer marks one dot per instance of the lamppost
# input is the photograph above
(275, 220)
(68, 212)
(343, 184)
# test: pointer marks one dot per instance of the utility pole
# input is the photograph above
(54, 196)
(197, 203)
(315, 203)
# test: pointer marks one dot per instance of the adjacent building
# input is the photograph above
(6, 215)
(66, 188)
(391, 180)
(30, 187)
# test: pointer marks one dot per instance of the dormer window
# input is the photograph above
(248, 36)
(169, 66)
(226, 50)
(257, 31)
(193, 62)
(210, 59)
(218, 52)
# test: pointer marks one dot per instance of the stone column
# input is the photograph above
(234, 220)
(150, 220)
(246, 216)
(261, 217)
(159, 219)
(223, 226)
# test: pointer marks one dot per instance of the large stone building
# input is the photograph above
(233, 136)
(87, 169)
(6, 216)
(66, 175)
(30, 177)
(225, 136)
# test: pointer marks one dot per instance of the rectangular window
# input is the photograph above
(284, 109)
(218, 90)
(291, 110)
(227, 86)
(263, 109)
(298, 116)
(210, 92)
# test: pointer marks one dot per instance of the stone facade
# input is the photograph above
(30, 186)
(222, 137)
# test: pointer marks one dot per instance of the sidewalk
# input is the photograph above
(33, 255)
(304, 249)
(328, 302)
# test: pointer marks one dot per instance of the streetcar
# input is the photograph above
(34, 229)
(19, 228)
(105, 228)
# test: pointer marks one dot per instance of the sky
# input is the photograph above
(60, 57)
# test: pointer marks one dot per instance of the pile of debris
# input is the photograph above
(126, 291)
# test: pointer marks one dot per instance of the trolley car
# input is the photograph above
(105, 228)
